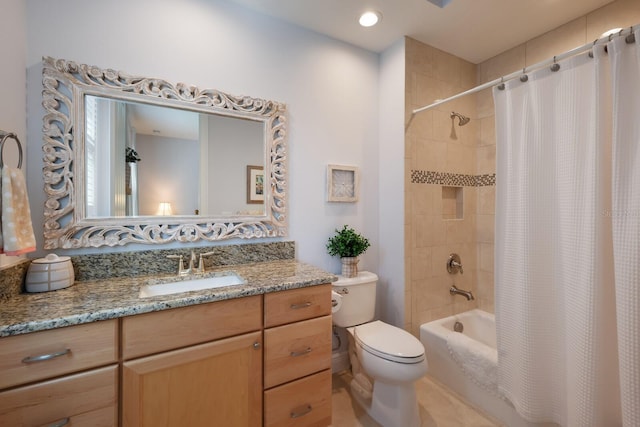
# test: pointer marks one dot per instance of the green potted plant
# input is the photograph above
(348, 245)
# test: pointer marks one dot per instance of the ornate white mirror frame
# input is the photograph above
(65, 84)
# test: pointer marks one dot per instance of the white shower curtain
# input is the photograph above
(567, 240)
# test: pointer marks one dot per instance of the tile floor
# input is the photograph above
(438, 407)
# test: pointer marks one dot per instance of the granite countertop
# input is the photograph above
(94, 300)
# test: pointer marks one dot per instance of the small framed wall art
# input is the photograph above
(343, 183)
(255, 184)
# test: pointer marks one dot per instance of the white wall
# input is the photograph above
(168, 172)
(391, 287)
(330, 88)
(13, 111)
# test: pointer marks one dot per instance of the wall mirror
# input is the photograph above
(130, 159)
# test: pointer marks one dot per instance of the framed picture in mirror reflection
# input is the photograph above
(255, 185)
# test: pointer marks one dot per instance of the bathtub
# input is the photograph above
(466, 363)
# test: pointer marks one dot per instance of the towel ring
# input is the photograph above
(5, 136)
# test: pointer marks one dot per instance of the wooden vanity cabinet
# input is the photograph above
(202, 366)
(65, 376)
(297, 361)
(252, 361)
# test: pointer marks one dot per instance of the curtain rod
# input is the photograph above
(628, 32)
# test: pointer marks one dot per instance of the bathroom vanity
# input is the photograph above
(249, 355)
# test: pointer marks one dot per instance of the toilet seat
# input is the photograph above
(389, 342)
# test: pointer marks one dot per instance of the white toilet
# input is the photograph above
(385, 360)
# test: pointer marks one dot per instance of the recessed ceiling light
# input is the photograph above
(370, 18)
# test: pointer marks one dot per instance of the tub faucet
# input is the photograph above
(453, 290)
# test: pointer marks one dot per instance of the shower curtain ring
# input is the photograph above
(592, 48)
(524, 77)
(631, 37)
(501, 85)
(555, 67)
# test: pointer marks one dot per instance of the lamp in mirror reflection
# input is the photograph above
(164, 209)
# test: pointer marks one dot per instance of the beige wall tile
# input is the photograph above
(484, 106)
(486, 200)
(442, 125)
(426, 231)
(446, 67)
(468, 75)
(419, 56)
(486, 159)
(470, 201)
(420, 264)
(461, 230)
(485, 230)
(430, 155)
(467, 134)
(485, 254)
(421, 126)
(487, 130)
(422, 199)
(461, 158)
(503, 64)
(555, 42)
(618, 14)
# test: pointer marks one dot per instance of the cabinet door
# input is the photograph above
(212, 384)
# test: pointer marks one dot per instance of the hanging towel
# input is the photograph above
(16, 230)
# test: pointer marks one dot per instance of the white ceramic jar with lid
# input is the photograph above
(49, 274)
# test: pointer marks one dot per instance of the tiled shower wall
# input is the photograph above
(429, 238)
(438, 222)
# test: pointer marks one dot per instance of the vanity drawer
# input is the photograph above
(296, 304)
(85, 399)
(150, 333)
(295, 350)
(302, 403)
(57, 352)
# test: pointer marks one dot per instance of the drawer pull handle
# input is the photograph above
(300, 353)
(62, 422)
(43, 357)
(299, 306)
(301, 411)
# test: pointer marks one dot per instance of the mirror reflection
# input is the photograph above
(150, 160)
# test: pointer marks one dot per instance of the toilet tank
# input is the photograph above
(358, 299)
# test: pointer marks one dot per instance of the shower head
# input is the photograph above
(462, 120)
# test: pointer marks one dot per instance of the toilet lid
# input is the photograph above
(389, 342)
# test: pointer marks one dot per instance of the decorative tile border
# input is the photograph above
(453, 179)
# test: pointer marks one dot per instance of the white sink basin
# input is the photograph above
(190, 285)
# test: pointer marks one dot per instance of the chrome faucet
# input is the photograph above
(200, 268)
(191, 269)
(453, 290)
